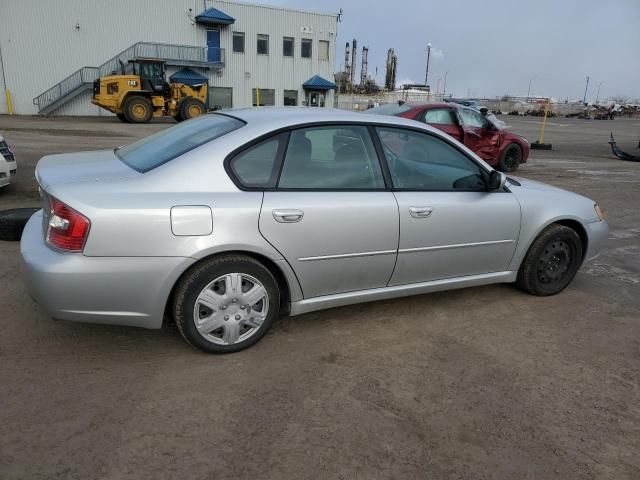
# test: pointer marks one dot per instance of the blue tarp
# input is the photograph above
(188, 77)
(318, 83)
(213, 16)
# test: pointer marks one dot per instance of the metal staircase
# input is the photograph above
(82, 80)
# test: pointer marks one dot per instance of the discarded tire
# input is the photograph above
(12, 222)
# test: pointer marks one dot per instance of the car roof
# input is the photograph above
(273, 118)
(433, 105)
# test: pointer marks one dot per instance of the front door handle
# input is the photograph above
(287, 216)
(420, 212)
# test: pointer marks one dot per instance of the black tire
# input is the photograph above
(121, 117)
(551, 262)
(137, 109)
(178, 118)
(510, 158)
(12, 222)
(201, 275)
(190, 106)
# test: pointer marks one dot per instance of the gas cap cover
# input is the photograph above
(191, 220)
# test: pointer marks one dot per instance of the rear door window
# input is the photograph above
(441, 116)
(165, 145)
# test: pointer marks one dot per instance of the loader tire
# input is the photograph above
(138, 109)
(121, 117)
(191, 107)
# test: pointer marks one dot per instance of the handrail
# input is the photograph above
(165, 51)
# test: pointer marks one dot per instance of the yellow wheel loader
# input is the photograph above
(140, 91)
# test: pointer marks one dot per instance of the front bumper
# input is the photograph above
(129, 291)
(598, 233)
(8, 170)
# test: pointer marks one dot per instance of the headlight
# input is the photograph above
(599, 212)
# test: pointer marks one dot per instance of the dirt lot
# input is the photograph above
(472, 384)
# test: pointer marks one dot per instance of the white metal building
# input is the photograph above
(50, 52)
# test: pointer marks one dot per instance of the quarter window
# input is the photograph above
(441, 116)
(238, 42)
(305, 48)
(335, 158)
(419, 161)
(287, 46)
(263, 44)
(257, 166)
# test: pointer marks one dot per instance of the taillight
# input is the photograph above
(67, 229)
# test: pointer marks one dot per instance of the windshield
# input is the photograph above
(151, 152)
(390, 109)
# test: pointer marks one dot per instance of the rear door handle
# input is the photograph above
(420, 212)
(288, 216)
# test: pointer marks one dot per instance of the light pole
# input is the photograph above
(426, 75)
(529, 90)
(598, 94)
(586, 87)
(444, 88)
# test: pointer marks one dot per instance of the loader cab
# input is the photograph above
(152, 75)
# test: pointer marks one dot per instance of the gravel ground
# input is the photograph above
(473, 384)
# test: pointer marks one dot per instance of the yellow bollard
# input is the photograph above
(9, 103)
(539, 144)
(257, 97)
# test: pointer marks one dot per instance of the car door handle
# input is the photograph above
(288, 216)
(420, 212)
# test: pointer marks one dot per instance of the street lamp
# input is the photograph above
(529, 90)
(426, 75)
(598, 94)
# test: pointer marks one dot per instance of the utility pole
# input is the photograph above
(426, 75)
(444, 88)
(598, 94)
(529, 91)
(584, 98)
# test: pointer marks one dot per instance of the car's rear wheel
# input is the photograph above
(511, 158)
(226, 304)
(551, 262)
(12, 222)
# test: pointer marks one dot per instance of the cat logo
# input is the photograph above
(132, 83)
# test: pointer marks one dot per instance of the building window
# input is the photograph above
(323, 50)
(267, 97)
(287, 46)
(263, 44)
(305, 48)
(220, 97)
(290, 98)
(238, 42)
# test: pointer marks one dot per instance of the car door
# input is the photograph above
(479, 134)
(450, 225)
(329, 214)
(443, 119)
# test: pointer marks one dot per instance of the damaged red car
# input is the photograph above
(486, 136)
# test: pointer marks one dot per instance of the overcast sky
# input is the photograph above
(494, 47)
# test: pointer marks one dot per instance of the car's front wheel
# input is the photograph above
(226, 304)
(511, 158)
(551, 262)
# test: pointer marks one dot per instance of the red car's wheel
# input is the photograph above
(510, 158)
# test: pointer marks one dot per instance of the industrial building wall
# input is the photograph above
(44, 42)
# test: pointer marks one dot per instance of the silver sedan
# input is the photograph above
(229, 220)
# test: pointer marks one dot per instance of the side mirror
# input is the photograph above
(496, 181)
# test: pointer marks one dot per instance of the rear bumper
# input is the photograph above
(110, 290)
(598, 233)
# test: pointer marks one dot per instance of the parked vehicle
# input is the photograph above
(8, 165)
(490, 141)
(230, 219)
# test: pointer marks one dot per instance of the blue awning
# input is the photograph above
(213, 16)
(318, 83)
(188, 77)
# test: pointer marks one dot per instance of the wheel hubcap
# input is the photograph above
(554, 262)
(231, 309)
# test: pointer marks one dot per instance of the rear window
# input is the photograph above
(390, 109)
(154, 150)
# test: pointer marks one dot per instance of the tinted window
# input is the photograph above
(263, 44)
(287, 46)
(331, 158)
(290, 98)
(323, 50)
(442, 116)
(390, 109)
(471, 118)
(305, 48)
(256, 166)
(150, 152)
(419, 161)
(238, 42)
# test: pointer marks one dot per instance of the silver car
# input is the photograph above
(229, 220)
